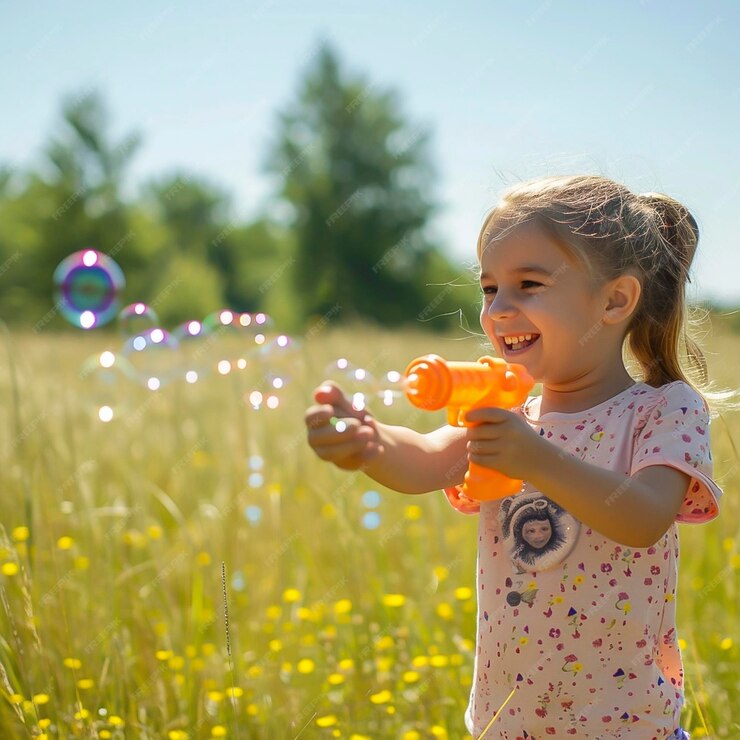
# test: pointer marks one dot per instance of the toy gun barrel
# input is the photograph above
(433, 383)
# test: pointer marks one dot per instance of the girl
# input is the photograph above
(577, 572)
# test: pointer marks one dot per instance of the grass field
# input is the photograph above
(347, 616)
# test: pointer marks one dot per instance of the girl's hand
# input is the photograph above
(339, 433)
(504, 441)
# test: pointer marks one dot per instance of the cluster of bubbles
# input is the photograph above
(371, 518)
(222, 343)
(364, 387)
(87, 286)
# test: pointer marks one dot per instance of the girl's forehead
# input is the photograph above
(524, 246)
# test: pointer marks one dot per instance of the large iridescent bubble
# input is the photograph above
(87, 285)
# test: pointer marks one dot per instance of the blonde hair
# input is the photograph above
(611, 230)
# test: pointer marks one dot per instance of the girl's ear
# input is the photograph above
(622, 296)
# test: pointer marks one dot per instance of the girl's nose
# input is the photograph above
(500, 308)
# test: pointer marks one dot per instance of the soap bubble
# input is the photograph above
(153, 356)
(231, 340)
(253, 514)
(371, 520)
(371, 499)
(136, 318)
(87, 285)
(103, 379)
(277, 362)
(194, 341)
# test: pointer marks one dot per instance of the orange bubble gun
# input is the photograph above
(491, 382)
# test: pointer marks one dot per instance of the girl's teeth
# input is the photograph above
(520, 338)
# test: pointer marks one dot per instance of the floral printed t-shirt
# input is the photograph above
(583, 627)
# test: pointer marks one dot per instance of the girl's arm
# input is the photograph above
(635, 511)
(411, 462)
(395, 456)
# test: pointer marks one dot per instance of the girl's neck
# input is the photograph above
(583, 394)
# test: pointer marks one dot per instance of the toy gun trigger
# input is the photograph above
(455, 416)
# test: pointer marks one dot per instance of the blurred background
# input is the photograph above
(337, 159)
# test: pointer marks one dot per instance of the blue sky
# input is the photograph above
(644, 91)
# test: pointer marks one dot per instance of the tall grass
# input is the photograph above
(114, 538)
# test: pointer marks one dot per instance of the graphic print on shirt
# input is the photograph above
(538, 534)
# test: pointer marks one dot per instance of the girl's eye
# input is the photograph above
(526, 285)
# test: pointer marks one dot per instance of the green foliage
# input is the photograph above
(356, 177)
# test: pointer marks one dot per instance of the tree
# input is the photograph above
(73, 203)
(356, 178)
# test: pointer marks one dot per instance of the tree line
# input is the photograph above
(352, 240)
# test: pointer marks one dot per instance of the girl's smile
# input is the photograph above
(514, 344)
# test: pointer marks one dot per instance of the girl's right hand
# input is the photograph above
(349, 445)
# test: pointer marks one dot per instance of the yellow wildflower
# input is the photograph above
(203, 558)
(413, 512)
(343, 606)
(445, 611)
(394, 599)
(20, 534)
(382, 697)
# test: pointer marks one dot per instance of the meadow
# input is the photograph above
(190, 570)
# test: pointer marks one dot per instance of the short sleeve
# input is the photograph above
(676, 434)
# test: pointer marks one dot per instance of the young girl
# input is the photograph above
(577, 572)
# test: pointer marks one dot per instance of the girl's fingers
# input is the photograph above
(334, 431)
(329, 393)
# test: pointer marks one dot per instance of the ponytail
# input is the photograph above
(657, 335)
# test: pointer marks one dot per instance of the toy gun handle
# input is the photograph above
(432, 382)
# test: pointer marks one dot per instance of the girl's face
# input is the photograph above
(542, 309)
(537, 533)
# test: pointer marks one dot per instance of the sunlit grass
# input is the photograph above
(113, 537)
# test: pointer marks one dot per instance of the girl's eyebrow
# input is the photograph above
(521, 271)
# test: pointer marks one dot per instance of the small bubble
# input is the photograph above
(253, 514)
(371, 499)
(371, 520)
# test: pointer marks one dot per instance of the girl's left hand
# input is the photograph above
(502, 440)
